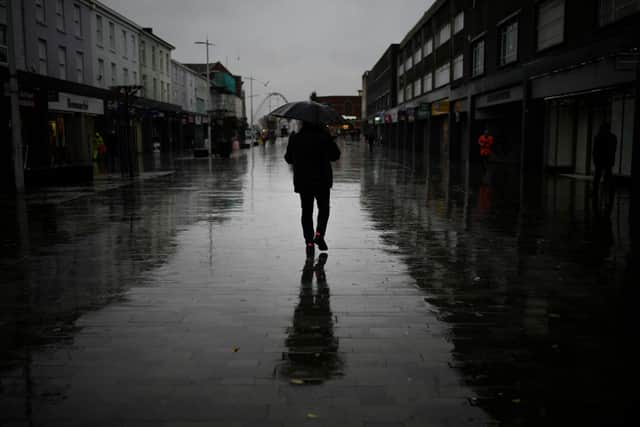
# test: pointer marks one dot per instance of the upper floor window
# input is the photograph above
(143, 53)
(4, 43)
(60, 15)
(408, 91)
(41, 13)
(508, 34)
(114, 74)
(153, 59)
(427, 83)
(125, 45)
(478, 58)
(458, 67)
(612, 10)
(417, 89)
(458, 23)
(428, 46)
(80, 67)
(161, 61)
(99, 30)
(62, 62)
(417, 57)
(550, 23)
(443, 74)
(400, 67)
(133, 47)
(444, 34)
(42, 56)
(400, 95)
(409, 64)
(101, 77)
(112, 35)
(77, 21)
(168, 63)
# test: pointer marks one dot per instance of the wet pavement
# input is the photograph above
(186, 300)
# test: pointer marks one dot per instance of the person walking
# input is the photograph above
(311, 152)
(604, 156)
(485, 142)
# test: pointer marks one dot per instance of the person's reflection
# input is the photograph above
(312, 355)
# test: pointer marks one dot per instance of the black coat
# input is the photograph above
(311, 152)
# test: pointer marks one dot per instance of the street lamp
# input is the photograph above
(208, 77)
(251, 79)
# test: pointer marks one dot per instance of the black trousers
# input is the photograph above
(322, 196)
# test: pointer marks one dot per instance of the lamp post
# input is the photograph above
(208, 77)
(251, 95)
(16, 123)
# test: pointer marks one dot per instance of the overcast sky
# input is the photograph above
(297, 45)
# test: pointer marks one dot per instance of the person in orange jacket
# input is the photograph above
(485, 142)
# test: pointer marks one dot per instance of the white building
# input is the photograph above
(114, 40)
(155, 66)
(189, 89)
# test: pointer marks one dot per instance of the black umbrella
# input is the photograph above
(310, 112)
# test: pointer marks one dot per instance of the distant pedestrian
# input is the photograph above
(604, 156)
(485, 142)
(371, 139)
(311, 152)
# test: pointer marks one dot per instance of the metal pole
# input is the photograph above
(209, 89)
(16, 122)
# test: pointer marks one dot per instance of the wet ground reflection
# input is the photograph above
(538, 302)
(312, 348)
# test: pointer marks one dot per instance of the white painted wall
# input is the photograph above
(117, 51)
(188, 86)
(155, 67)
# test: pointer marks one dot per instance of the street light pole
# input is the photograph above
(16, 123)
(208, 77)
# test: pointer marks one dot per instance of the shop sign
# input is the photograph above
(500, 97)
(422, 112)
(411, 115)
(440, 108)
(77, 104)
(26, 99)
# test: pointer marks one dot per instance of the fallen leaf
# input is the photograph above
(312, 416)
(296, 381)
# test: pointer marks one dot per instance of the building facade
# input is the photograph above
(191, 92)
(541, 76)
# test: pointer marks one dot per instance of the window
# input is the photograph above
(168, 63)
(41, 15)
(444, 34)
(79, 67)
(133, 47)
(400, 67)
(135, 78)
(427, 84)
(418, 55)
(400, 95)
(168, 92)
(509, 43)
(443, 75)
(550, 23)
(408, 91)
(428, 47)
(62, 62)
(101, 76)
(458, 67)
(143, 53)
(409, 63)
(478, 58)
(77, 21)
(155, 88)
(153, 58)
(99, 30)
(60, 15)
(125, 76)
(161, 61)
(114, 74)
(612, 10)
(125, 45)
(112, 36)
(144, 85)
(4, 45)
(458, 23)
(42, 56)
(417, 90)
(162, 92)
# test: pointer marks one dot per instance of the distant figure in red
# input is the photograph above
(485, 142)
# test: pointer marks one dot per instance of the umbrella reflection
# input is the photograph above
(312, 355)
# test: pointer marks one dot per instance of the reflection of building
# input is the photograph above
(520, 68)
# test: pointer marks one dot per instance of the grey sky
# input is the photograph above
(297, 45)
